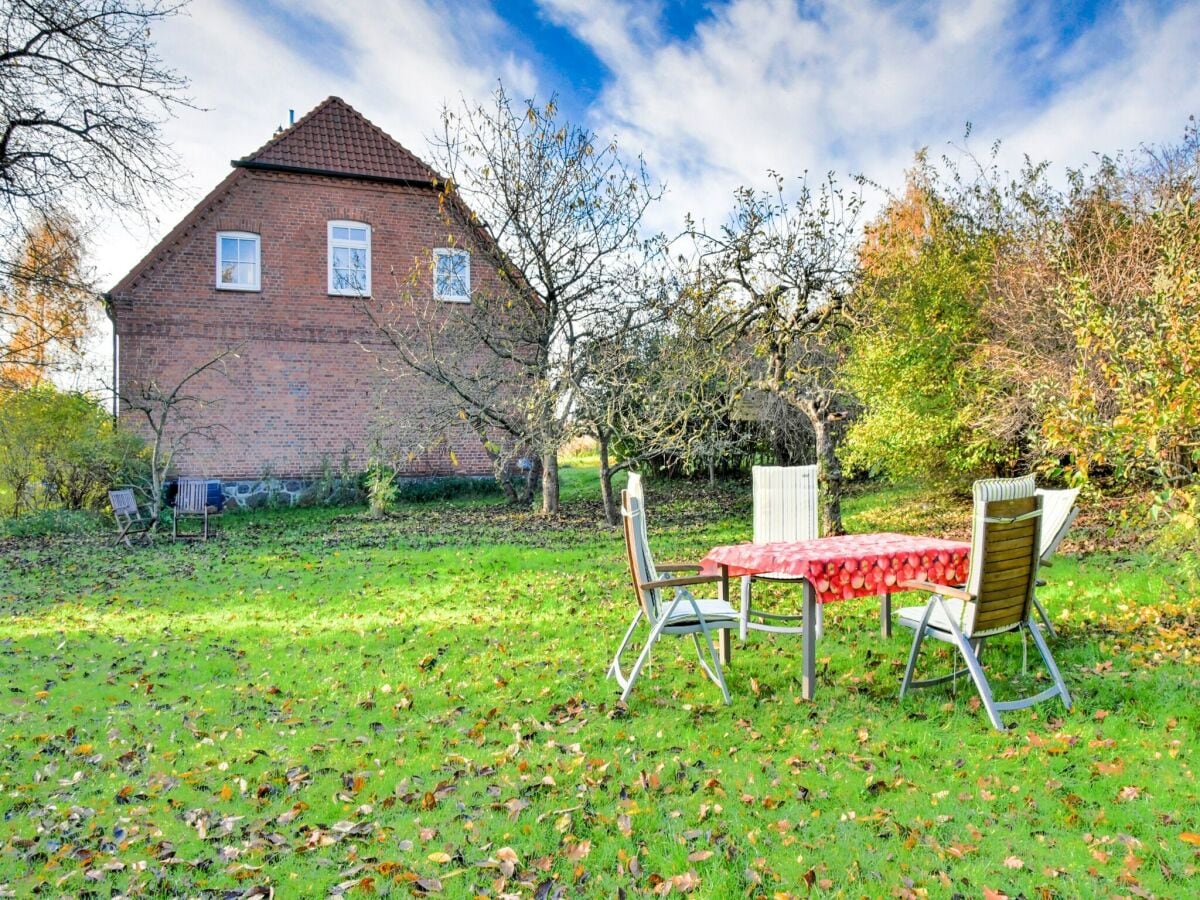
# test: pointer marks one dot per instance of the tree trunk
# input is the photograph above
(157, 477)
(611, 515)
(550, 483)
(506, 484)
(532, 478)
(829, 476)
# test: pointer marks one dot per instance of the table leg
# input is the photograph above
(725, 646)
(885, 616)
(809, 639)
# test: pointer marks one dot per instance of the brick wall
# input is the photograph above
(306, 384)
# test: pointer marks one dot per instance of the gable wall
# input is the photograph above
(303, 390)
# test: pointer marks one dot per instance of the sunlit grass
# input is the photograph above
(320, 699)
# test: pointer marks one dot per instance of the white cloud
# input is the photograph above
(859, 86)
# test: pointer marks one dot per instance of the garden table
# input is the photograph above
(842, 567)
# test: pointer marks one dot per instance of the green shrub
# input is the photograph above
(61, 449)
(55, 521)
(380, 485)
(426, 490)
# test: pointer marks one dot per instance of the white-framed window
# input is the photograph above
(238, 261)
(452, 275)
(349, 259)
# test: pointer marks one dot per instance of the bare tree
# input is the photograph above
(83, 97)
(174, 415)
(780, 272)
(556, 213)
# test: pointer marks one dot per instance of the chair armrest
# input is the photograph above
(677, 567)
(943, 589)
(1041, 582)
(681, 582)
(1046, 561)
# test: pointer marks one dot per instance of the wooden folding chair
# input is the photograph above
(191, 501)
(128, 518)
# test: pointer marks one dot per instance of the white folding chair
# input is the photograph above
(1058, 513)
(785, 509)
(997, 599)
(667, 604)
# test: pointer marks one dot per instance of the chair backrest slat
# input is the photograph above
(637, 549)
(123, 503)
(192, 495)
(785, 503)
(1007, 564)
(984, 491)
(1058, 512)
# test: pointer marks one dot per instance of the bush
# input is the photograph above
(427, 490)
(61, 449)
(55, 521)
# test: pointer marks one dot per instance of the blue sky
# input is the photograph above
(713, 94)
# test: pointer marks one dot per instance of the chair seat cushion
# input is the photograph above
(911, 616)
(777, 576)
(712, 610)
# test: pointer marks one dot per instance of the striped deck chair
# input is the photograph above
(997, 599)
(667, 604)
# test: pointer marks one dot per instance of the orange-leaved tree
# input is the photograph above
(46, 305)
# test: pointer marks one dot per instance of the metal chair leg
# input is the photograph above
(918, 637)
(1040, 642)
(655, 632)
(1041, 611)
(744, 616)
(716, 673)
(981, 682)
(614, 668)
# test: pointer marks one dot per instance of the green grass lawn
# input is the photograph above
(321, 702)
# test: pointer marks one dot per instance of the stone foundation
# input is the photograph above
(257, 493)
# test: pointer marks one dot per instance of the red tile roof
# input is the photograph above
(336, 138)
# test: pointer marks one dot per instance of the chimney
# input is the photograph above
(291, 117)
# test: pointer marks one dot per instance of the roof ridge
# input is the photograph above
(334, 136)
(284, 132)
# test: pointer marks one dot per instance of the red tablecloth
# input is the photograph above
(852, 565)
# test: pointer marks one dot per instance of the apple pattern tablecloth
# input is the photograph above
(851, 565)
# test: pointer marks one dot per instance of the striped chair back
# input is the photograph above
(192, 495)
(1005, 568)
(785, 503)
(983, 492)
(123, 503)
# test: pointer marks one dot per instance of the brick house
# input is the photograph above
(276, 260)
